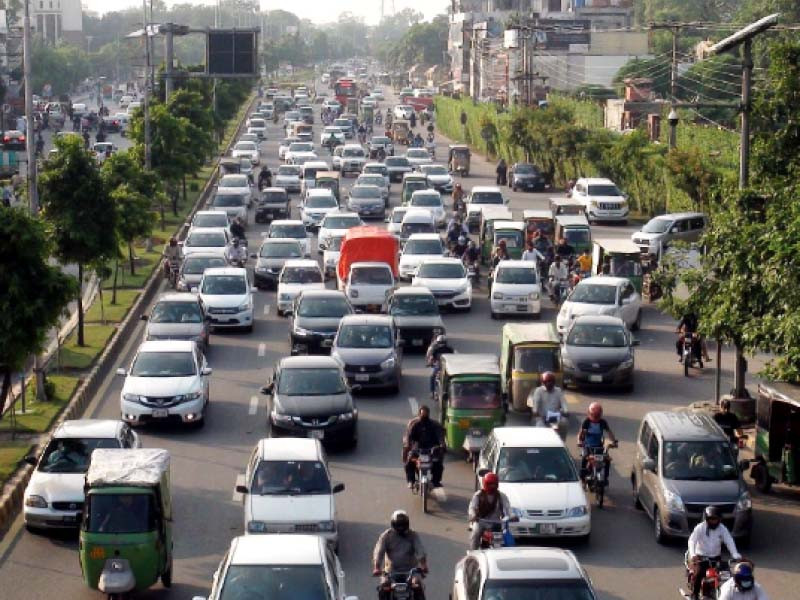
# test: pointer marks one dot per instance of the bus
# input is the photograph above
(344, 89)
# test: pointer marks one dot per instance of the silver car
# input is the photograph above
(177, 316)
(367, 201)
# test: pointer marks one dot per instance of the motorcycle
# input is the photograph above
(473, 274)
(496, 534)
(423, 483)
(595, 479)
(431, 148)
(473, 442)
(558, 291)
(172, 272)
(401, 583)
(691, 352)
(717, 573)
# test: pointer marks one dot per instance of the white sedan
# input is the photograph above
(227, 297)
(297, 275)
(447, 279)
(419, 248)
(317, 204)
(297, 148)
(418, 157)
(602, 295)
(429, 200)
(336, 224)
(247, 150)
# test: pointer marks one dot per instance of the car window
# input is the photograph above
(323, 307)
(652, 448)
(279, 477)
(441, 271)
(276, 582)
(206, 240)
(371, 276)
(627, 291)
(301, 275)
(472, 579)
(697, 223)
(699, 461)
(71, 455)
(227, 285)
(594, 294)
(163, 364)
(413, 305)
(644, 435)
(516, 275)
(310, 382)
(682, 225)
(364, 336)
(121, 513)
(535, 465)
(176, 312)
(594, 335)
(196, 265)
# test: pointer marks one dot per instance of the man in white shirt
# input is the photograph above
(547, 403)
(742, 586)
(532, 254)
(706, 543)
(558, 275)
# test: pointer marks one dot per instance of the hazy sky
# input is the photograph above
(316, 10)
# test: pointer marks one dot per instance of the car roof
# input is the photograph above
(178, 296)
(289, 448)
(287, 221)
(238, 271)
(522, 562)
(597, 181)
(679, 215)
(486, 188)
(412, 290)
(275, 189)
(278, 549)
(308, 362)
(300, 262)
(685, 425)
(322, 294)
(517, 264)
(425, 236)
(526, 437)
(603, 280)
(167, 346)
(471, 364)
(425, 192)
(366, 320)
(88, 428)
(598, 320)
(319, 191)
(445, 260)
(341, 213)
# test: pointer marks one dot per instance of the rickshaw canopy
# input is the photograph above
(470, 364)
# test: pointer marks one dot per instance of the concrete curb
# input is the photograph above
(13, 491)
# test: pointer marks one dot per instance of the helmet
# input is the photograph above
(490, 479)
(548, 377)
(595, 411)
(743, 576)
(400, 521)
(441, 339)
(712, 513)
(462, 239)
(458, 186)
(472, 243)
(502, 243)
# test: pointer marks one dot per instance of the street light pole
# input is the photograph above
(30, 145)
(146, 103)
(673, 128)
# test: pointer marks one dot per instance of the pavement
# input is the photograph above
(622, 557)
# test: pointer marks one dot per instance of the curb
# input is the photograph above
(14, 489)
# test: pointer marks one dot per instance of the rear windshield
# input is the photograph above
(486, 198)
(321, 202)
(219, 219)
(234, 181)
(281, 250)
(341, 222)
(289, 170)
(397, 161)
(228, 200)
(195, 265)
(423, 247)
(412, 228)
(427, 200)
(371, 276)
(274, 197)
(287, 231)
(329, 307)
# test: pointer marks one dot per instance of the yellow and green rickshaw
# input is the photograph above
(527, 351)
(618, 258)
(513, 233)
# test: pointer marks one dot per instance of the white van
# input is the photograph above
(368, 285)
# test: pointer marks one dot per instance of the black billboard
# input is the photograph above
(232, 52)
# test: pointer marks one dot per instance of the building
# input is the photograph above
(58, 21)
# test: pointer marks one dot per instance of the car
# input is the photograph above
(13, 139)
(683, 463)
(541, 481)
(516, 289)
(377, 180)
(193, 267)
(284, 144)
(598, 350)
(416, 220)
(301, 158)
(294, 565)
(377, 94)
(527, 177)
(102, 150)
(447, 279)
(418, 157)
(521, 572)
(416, 316)
(395, 220)
(397, 167)
(167, 380)
(123, 119)
(429, 200)
(380, 142)
(349, 158)
(247, 150)
(271, 257)
(206, 240)
(231, 201)
(290, 116)
(288, 489)
(316, 205)
(54, 496)
(346, 125)
(210, 218)
(112, 124)
(288, 178)
(367, 201)
(661, 231)
(297, 148)
(315, 320)
(238, 183)
(439, 177)
(258, 127)
(336, 224)
(327, 132)
(298, 274)
(311, 398)
(133, 106)
(177, 316)
(403, 111)
(480, 196)
(601, 199)
(602, 295)
(227, 297)
(376, 168)
(368, 350)
(307, 113)
(330, 257)
(273, 204)
(418, 248)
(291, 228)
(248, 137)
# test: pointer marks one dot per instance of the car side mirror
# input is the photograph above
(648, 464)
(744, 464)
(242, 489)
(30, 460)
(206, 371)
(122, 372)
(338, 487)
(144, 317)
(267, 389)
(482, 472)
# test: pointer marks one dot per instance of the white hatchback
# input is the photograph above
(247, 150)
(206, 240)
(430, 200)
(516, 289)
(296, 276)
(291, 228)
(336, 224)
(317, 204)
(602, 295)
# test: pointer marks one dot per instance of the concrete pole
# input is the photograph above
(30, 146)
(168, 60)
(146, 103)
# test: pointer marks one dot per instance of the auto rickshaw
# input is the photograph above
(329, 180)
(489, 214)
(513, 232)
(527, 351)
(566, 206)
(368, 114)
(458, 158)
(538, 220)
(575, 229)
(126, 530)
(777, 445)
(622, 257)
(412, 182)
(352, 105)
(470, 401)
(401, 132)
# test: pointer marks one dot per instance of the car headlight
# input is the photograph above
(131, 397)
(577, 511)
(517, 512)
(388, 363)
(327, 526)
(256, 527)
(626, 364)
(347, 416)
(674, 501)
(188, 397)
(245, 306)
(533, 296)
(497, 296)
(35, 501)
(745, 502)
(567, 362)
(302, 331)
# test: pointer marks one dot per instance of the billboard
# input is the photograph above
(232, 53)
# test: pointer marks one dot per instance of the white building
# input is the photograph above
(58, 21)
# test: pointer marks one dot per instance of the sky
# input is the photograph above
(319, 11)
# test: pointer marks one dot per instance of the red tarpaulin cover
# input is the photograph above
(367, 244)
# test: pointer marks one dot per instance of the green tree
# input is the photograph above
(134, 217)
(693, 175)
(76, 206)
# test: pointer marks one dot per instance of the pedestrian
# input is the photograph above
(502, 172)
(413, 119)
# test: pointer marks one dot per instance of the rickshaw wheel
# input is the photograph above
(762, 478)
(166, 576)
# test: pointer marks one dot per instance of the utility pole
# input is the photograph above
(675, 29)
(146, 103)
(30, 146)
(169, 29)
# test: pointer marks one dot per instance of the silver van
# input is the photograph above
(660, 231)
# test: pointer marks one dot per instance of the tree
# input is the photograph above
(134, 218)
(33, 293)
(693, 175)
(75, 204)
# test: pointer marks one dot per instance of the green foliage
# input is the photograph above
(423, 44)
(693, 174)
(63, 67)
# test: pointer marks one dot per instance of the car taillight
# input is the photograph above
(6, 139)
(22, 138)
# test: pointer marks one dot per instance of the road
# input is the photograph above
(622, 557)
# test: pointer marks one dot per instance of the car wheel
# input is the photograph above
(635, 494)
(762, 478)
(658, 529)
(513, 188)
(637, 324)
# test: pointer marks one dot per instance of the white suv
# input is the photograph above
(602, 199)
(602, 295)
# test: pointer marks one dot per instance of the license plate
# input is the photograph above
(416, 342)
(160, 413)
(547, 528)
(327, 343)
(317, 434)
(70, 519)
(596, 378)
(523, 308)
(362, 377)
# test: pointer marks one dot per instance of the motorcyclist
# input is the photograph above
(455, 229)
(418, 141)
(332, 141)
(39, 145)
(688, 325)
(236, 254)
(172, 254)
(488, 503)
(591, 436)
(532, 254)
(547, 403)
(438, 347)
(557, 276)
(729, 422)
(742, 585)
(564, 249)
(472, 254)
(237, 229)
(458, 198)
(461, 247)
(499, 253)
(399, 550)
(423, 434)
(264, 178)
(705, 545)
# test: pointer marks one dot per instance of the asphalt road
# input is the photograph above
(622, 558)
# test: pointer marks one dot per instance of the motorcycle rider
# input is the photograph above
(398, 550)
(172, 255)
(488, 503)
(236, 254)
(438, 347)
(423, 434)
(264, 178)
(471, 255)
(742, 585)
(500, 253)
(705, 545)
(458, 198)
(237, 229)
(532, 254)
(461, 247)
(548, 400)
(728, 422)
(689, 324)
(591, 436)
(455, 229)
(557, 276)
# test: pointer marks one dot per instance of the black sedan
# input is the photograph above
(598, 350)
(316, 319)
(525, 176)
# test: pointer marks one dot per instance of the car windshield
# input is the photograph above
(417, 153)
(657, 225)
(432, 200)
(321, 202)
(535, 589)
(604, 190)
(409, 229)
(525, 170)
(436, 171)
(535, 465)
(121, 513)
(289, 171)
(604, 336)
(413, 305)
(292, 477)
(281, 250)
(206, 240)
(365, 336)
(516, 275)
(176, 312)
(486, 198)
(699, 461)
(441, 271)
(397, 161)
(224, 285)
(71, 455)
(371, 276)
(301, 275)
(397, 216)
(327, 308)
(246, 146)
(376, 180)
(195, 265)
(301, 147)
(163, 364)
(274, 582)
(513, 239)
(310, 382)
(234, 181)
(475, 394)
(577, 236)
(288, 231)
(228, 200)
(379, 169)
(594, 294)
(217, 219)
(423, 247)
(365, 191)
(342, 123)
(274, 197)
(331, 222)
(380, 141)
(353, 152)
(532, 359)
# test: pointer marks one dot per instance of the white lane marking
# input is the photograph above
(253, 405)
(237, 497)
(262, 349)
(412, 402)
(266, 310)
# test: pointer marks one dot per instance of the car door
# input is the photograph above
(642, 443)
(200, 359)
(650, 478)
(696, 227)
(335, 574)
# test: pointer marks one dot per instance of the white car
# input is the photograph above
(283, 146)
(288, 178)
(232, 201)
(206, 240)
(439, 177)
(327, 132)
(377, 94)
(602, 295)
(291, 228)
(516, 289)
(376, 168)
(480, 196)
(602, 199)
(301, 158)
(296, 276)
(288, 489)
(368, 284)
(248, 137)
(257, 126)
(210, 218)
(447, 279)
(297, 148)
(330, 257)
(418, 248)
(54, 495)
(403, 111)
(377, 180)
(125, 100)
(247, 150)
(430, 200)
(395, 220)
(293, 565)
(168, 379)
(227, 298)
(350, 159)
(418, 157)
(541, 481)
(317, 204)
(290, 116)
(336, 224)
(332, 104)
(237, 182)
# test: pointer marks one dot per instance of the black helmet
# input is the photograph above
(712, 513)
(400, 521)
(743, 576)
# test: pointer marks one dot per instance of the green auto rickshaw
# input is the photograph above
(527, 351)
(566, 206)
(126, 530)
(458, 159)
(412, 182)
(470, 401)
(618, 258)
(777, 445)
(513, 233)
(329, 180)
(490, 214)
(575, 229)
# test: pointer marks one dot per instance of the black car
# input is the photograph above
(271, 257)
(316, 319)
(273, 204)
(112, 124)
(13, 139)
(598, 350)
(416, 316)
(525, 176)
